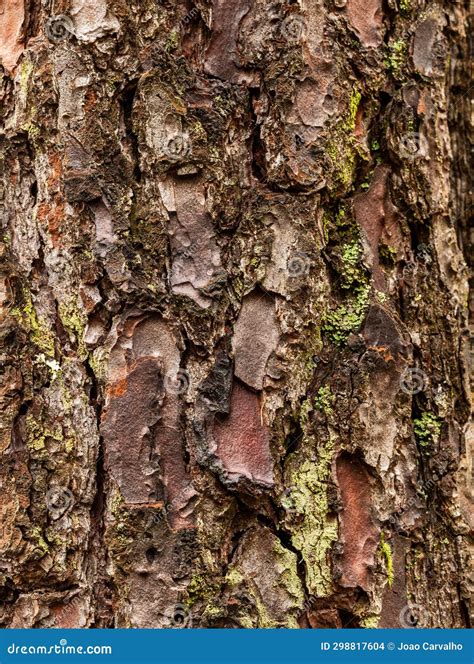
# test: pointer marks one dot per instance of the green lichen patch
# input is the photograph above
(354, 102)
(315, 529)
(370, 622)
(26, 69)
(37, 434)
(343, 156)
(351, 270)
(387, 254)
(343, 148)
(39, 545)
(386, 553)
(405, 6)
(74, 321)
(288, 575)
(200, 588)
(324, 400)
(348, 317)
(427, 430)
(37, 326)
(305, 410)
(396, 56)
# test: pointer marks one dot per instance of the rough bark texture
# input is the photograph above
(234, 304)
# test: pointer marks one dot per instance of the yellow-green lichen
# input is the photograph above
(348, 317)
(370, 622)
(289, 579)
(74, 321)
(200, 588)
(351, 270)
(343, 146)
(306, 408)
(98, 363)
(26, 69)
(198, 132)
(51, 363)
(396, 56)
(427, 429)
(41, 547)
(324, 400)
(312, 345)
(172, 42)
(315, 534)
(354, 102)
(405, 6)
(341, 216)
(32, 130)
(37, 326)
(260, 618)
(343, 157)
(37, 434)
(234, 577)
(386, 553)
(287, 587)
(388, 254)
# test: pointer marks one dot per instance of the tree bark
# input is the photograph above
(234, 309)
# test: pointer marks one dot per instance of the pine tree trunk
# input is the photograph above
(233, 314)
